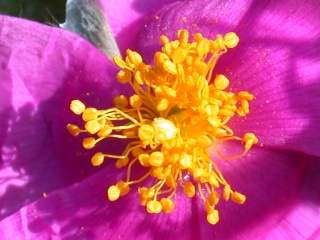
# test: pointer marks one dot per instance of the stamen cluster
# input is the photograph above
(179, 110)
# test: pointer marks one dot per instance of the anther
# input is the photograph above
(97, 159)
(238, 198)
(89, 114)
(88, 142)
(213, 217)
(113, 193)
(221, 82)
(167, 205)
(120, 101)
(73, 129)
(189, 189)
(77, 107)
(231, 40)
(154, 206)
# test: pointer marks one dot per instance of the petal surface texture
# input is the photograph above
(277, 60)
(42, 69)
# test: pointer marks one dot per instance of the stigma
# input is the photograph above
(179, 109)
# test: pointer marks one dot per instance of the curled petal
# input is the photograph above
(42, 69)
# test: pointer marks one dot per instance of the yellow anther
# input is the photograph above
(231, 40)
(119, 62)
(158, 172)
(124, 76)
(160, 58)
(213, 217)
(138, 77)
(88, 142)
(249, 139)
(154, 206)
(167, 205)
(183, 36)
(113, 193)
(221, 82)
(89, 114)
(213, 180)
(164, 129)
(146, 133)
(245, 95)
(144, 159)
(185, 161)
(156, 159)
(122, 162)
(179, 55)
(189, 189)
(169, 67)
(77, 107)
(135, 101)
(197, 37)
(134, 57)
(92, 126)
(146, 193)
(162, 105)
(213, 198)
(97, 159)
(104, 131)
(226, 192)
(164, 39)
(198, 173)
(123, 187)
(203, 47)
(73, 129)
(238, 198)
(120, 101)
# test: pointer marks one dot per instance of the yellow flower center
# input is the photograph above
(179, 110)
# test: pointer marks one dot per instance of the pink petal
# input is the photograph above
(281, 195)
(42, 69)
(277, 60)
(126, 17)
(275, 184)
(82, 212)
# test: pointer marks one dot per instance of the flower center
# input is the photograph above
(174, 116)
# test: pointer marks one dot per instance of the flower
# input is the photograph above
(274, 61)
(174, 117)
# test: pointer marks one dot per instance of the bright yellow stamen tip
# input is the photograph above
(89, 142)
(97, 159)
(77, 107)
(238, 198)
(189, 189)
(231, 40)
(154, 206)
(180, 107)
(167, 205)
(89, 114)
(113, 193)
(221, 82)
(156, 159)
(213, 217)
(123, 187)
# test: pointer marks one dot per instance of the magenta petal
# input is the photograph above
(277, 60)
(82, 212)
(42, 69)
(282, 198)
(275, 185)
(126, 17)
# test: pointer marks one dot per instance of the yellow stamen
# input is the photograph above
(179, 109)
